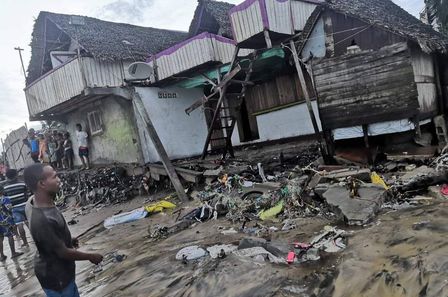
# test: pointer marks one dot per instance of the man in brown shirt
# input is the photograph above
(54, 262)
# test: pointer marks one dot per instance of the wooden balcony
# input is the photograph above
(252, 19)
(53, 92)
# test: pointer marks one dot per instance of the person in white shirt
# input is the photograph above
(83, 150)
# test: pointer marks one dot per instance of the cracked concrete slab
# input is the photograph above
(358, 210)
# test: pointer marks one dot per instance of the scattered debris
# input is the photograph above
(108, 260)
(220, 251)
(190, 253)
(259, 254)
(126, 217)
(103, 185)
(357, 210)
(331, 240)
(229, 231)
(159, 206)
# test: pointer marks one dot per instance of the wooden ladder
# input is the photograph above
(223, 122)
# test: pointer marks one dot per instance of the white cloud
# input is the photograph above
(126, 10)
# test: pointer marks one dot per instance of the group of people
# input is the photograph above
(56, 148)
(14, 196)
(32, 203)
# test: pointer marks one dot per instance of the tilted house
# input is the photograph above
(178, 82)
(374, 65)
(76, 75)
(272, 106)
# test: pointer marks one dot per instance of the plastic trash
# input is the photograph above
(159, 206)
(271, 212)
(290, 258)
(125, 217)
(376, 179)
(444, 190)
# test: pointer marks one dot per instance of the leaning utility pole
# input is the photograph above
(21, 59)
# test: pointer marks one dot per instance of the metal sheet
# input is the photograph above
(279, 16)
(196, 51)
(247, 20)
(301, 11)
(65, 82)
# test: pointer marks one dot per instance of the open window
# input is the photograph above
(95, 122)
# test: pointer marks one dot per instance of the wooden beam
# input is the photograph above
(365, 131)
(198, 103)
(243, 82)
(267, 38)
(188, 175)
(305, 89)
(223, 88)
(116, 91)
(218, 88)
(229, 76)
(210, 81)
(139, 108)
(441, 102)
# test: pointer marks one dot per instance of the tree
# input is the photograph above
(439, 9)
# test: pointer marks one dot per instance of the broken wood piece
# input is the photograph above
(236, 81)
(199, 103)
(188, 175)
(361, 174)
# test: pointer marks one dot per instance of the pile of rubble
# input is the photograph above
(347, 191)
(254, 194)
(103, 185)
(330, 240)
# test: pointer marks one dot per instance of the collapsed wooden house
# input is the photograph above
(77, 74)
(377, 69)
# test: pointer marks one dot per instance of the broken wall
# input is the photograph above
(118, 142)
(181, 135)
(17, 154)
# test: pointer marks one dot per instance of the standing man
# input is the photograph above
(18, 194)
(83, 150)
(6, 226)
(33, 144)
(54, 263)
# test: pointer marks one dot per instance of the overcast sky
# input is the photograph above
(16, 23)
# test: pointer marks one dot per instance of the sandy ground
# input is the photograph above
(393, 256)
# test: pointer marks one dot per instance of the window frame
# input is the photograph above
(94, 118)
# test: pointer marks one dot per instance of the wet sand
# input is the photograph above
(391, 257)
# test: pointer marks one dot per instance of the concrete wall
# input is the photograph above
(284, 123)
(118, 143)
(182, 135)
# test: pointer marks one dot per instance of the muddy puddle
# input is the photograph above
(403, 253)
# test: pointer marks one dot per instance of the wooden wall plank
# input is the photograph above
(368, 87)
